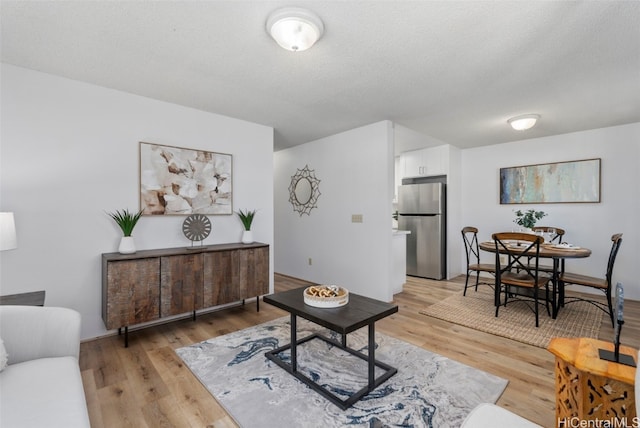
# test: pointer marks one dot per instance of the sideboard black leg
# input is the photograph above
(257, 303)
(126, 336)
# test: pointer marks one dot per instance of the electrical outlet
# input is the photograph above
(356, 218)
(503, 260)
(310, 261)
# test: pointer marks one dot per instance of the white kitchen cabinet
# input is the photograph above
(425, 162)
(397, 177)
(412, 163)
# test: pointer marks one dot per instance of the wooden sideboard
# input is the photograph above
(153, 284)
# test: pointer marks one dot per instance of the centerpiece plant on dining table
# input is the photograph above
(528, 218)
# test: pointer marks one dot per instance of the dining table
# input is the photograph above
(548, 250)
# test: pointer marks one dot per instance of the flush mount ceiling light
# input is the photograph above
(524, 122)
(294, 28)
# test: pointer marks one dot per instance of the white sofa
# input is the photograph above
(487, 415)
(41, 386)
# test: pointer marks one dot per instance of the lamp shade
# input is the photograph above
(524, 122)
(295, 29)
(8, 239)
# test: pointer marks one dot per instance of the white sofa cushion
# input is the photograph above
(487, 415)
(46, 392)
(31, 332)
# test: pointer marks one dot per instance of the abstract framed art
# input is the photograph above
(559, 182)
(179, 181)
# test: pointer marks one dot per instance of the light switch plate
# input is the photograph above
(356, 218)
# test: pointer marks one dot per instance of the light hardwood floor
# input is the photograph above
(146, 385)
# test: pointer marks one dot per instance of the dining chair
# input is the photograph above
(470, 239)
(516, 275)
(558, 235)
(602, 284)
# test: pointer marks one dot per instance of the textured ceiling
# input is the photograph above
(452, 70)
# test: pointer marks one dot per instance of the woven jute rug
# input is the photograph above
(516, 321)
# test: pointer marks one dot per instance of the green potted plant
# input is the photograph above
(528, 219)
(246, 217)
(127, 220)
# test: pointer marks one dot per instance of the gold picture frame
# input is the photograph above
(181, 181)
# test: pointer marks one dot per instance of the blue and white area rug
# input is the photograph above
(429, 390)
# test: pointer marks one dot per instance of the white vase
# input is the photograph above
(247, 237)
(127, 245)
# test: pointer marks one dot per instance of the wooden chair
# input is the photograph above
(602, 284)
(470, 239)
(555, 239)
(516, 275)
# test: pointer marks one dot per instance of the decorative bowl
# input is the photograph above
(326, 296)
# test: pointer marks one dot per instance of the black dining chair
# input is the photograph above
(602, 284)
(519, 277)
(470, 239)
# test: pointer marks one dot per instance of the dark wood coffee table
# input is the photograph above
(359, 312)
(32, 298)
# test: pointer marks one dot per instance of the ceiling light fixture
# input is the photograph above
(524, 122)
(294, 28)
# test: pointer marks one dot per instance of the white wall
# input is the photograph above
(406, 140)
(455, 204)
(588, 225)
(355, 169)
(69, 152)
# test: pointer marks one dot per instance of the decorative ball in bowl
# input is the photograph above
(326, 296)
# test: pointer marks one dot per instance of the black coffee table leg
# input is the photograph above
(372, 382)
(372, 356)
(294, 344)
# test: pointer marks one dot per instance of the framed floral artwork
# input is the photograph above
(180, 181)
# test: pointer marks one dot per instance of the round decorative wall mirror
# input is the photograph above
(304, 190)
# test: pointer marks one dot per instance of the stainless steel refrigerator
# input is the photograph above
(421, 210)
